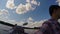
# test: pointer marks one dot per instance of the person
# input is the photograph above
(51, 26)
(17, 30)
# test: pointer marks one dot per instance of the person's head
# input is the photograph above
(54, 11)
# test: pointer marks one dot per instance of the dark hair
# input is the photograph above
(52, 8)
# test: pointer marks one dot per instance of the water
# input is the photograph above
(6, 30)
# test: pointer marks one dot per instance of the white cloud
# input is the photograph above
(32, 23)
(30, 20)
(28, 1)
(35, 23)
(21, 9)
(4, 12)
(11, 21)
(35, 2)
(7, 20)
(28, 6)
(10, 4)
(4, 16)
(24, 8)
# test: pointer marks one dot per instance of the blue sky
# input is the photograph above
(22, 10)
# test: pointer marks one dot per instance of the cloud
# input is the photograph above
(11, 21)
(4, 12)
(28, 1)
(35, 2)
(35, 23)
(30, 20)
(28, 6)
(21, 9)
(32, 23)
(8, 20)
(24, 8)
(4, 16)
(58, 1)
(10, 4)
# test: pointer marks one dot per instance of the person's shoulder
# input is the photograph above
(46, 24)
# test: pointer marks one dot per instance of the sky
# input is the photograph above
(20, 11)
